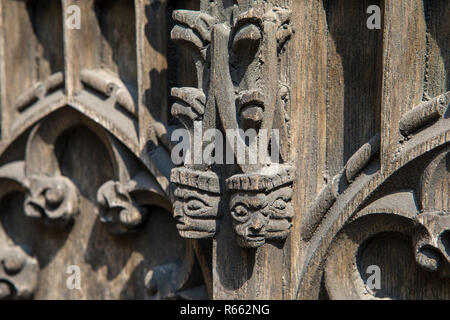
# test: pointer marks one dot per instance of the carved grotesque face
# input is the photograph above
(260, 216)
(196, 212)
(250, 100)
(52, 198)
(281, 213)
(258, 37)
(251, 217)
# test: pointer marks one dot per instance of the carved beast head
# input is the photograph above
(261, 206)
(197, 202)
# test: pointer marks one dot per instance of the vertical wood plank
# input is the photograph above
(71, 58)
(3, 113)
(308, 135)
(27, 57)
(151, 40)
(19, 56)
(437, 73)
(403, 68)
(353, 85)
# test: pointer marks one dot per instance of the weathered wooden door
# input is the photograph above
(351, 97)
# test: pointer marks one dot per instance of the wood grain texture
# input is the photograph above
(404, 46)
(438, 55)
(87, 179)
(353, 87)
(308, 117)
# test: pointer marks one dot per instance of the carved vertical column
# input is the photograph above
(197, 186)
(238, 51)
(72, 40)
(252, 44)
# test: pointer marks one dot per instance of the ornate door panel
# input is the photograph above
(95, 205)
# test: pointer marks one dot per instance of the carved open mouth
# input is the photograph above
(253, 241)
(187, 231)
(187, 226)
(255, 237)
(195, 234)
(180, 222)
(251, 108)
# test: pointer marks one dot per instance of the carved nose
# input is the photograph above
(54, 197)
(177, 211)
(257, 226)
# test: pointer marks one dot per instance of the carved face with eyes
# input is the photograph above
(281, 213)
(251, 218)
(260, 216)
(196, 212)
(257, 39)
(246, 43)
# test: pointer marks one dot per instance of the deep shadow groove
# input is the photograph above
(445, 238)
(438, 30)
(48, 32)
(180, 70)
(33, 236)
(360, 53)
(119, 15)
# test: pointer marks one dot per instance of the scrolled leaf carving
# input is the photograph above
(18, 273)
(54, 199)
(432, 243)
(193, 28)
(420, 215)
(175, 280)
(117, 208)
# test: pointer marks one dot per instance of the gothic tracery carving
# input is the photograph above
(419, 212)
(244, 82)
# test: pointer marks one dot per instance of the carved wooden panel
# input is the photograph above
(356, 122)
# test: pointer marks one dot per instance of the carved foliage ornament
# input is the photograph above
(366, 206)
(18, 273)
(117, 209)
(236, 61)
(421, 212)
(54, 199)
